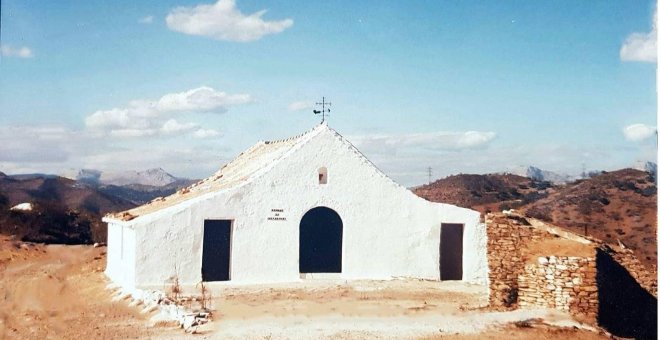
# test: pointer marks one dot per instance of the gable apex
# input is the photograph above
(248, 165)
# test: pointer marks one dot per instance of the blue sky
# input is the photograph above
(462, 86)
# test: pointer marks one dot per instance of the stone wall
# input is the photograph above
(505, 258)
(534, 264)
(525, 272)
(567, 283)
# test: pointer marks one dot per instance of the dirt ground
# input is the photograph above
(58, 292)
(400, 309)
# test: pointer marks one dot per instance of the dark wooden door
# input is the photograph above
(320, 244)
(216, 251)
(451, 251)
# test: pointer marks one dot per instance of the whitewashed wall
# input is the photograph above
(388, 231)
(121, 255)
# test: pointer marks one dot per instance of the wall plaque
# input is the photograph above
(276, 215)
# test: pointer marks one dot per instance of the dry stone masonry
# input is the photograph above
(533, 264)
(506, 239)
(567, 283)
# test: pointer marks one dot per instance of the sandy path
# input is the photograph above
(398, 309)
(58, 292)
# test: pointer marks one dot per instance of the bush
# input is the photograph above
(515, 193)
(649, 191)
(533, 197)
(541, 213)
(541, 185)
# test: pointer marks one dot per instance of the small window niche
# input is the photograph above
(323, 175)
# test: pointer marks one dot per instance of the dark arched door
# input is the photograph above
(321, 233)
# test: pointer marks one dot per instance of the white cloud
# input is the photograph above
(441, 140)
(641, 46)
(297, 106)
(192, 162)
(58, 149)
(201, 99)
(173, 127)
(206, 133)
(54, 149)
(639, 132)
(20, 52)
(223, 21)
(142, 118)
(43, 144)
(133, 132)
(146, 20)
(409, 166)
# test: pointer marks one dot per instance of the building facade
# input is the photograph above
(292, 209)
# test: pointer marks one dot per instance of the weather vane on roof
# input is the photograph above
(323, 110)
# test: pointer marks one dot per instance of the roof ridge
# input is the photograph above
(293, 137)
(224, 181)
(365, 159)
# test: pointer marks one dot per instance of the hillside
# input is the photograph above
(139, 194)
(616, 206)
(619, 205)
(137, 187)
(65, 211)
(485, 193)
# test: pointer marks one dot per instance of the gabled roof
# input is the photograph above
(248, 165)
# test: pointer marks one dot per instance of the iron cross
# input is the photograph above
(323, 110)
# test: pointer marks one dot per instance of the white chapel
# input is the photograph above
(294, 209)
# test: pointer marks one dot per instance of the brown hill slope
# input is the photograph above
(485, 193)
(65, 211)
(619, 205)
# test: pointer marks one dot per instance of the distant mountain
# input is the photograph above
(141, 194)
(152, 177)
(69, 210)
(89, 176)
(542, 175)
(32, 176)
(138, 187)
(65, 211)
(156, 177)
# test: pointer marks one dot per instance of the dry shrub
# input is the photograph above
(174, 293)
(205, 296)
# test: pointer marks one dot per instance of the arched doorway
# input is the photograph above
(321, 231)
